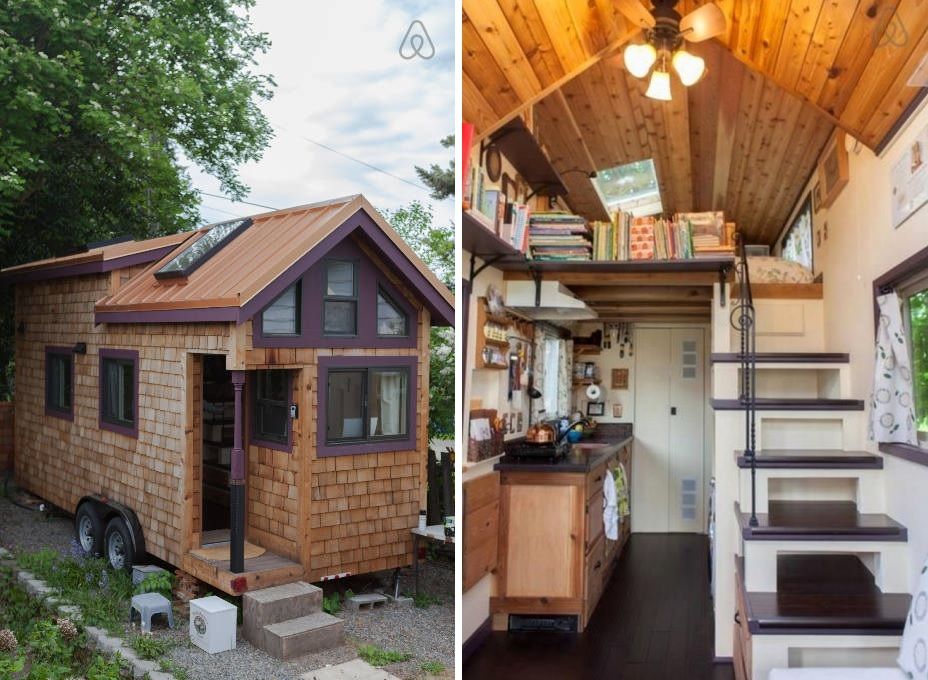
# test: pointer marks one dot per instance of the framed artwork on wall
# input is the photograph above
(620, 378)
(833, 169)
(796, 245)
(595, 408)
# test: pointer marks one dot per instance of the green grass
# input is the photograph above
(424, 601)
(377, 656)
(433, 667)
(331, 604)
(169, 666)
(102, 594)
(149, 647)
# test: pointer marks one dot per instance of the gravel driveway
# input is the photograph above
(427, 633)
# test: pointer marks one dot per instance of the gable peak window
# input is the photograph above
(340, 301)
(391, 319)
(282, 316)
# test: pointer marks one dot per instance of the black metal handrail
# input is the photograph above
(742, 319)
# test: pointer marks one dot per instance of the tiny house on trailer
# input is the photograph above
(248, 401)
(607, 148)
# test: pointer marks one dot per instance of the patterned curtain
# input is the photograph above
(892, 416)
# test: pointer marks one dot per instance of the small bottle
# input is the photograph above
(422, 519)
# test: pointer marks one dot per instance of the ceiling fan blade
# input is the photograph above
(635, 12)
(703, 23)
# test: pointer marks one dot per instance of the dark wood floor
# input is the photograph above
(654, 622)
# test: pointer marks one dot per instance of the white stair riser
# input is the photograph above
(794, 651)
(814, 485)
(823, 380)
(890, 566)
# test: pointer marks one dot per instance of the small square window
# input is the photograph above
(58, 382)
(391, 319)
(272, 407)
(282, 317)
(340, 303)
(367, 404)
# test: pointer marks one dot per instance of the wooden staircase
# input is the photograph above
(819, 571)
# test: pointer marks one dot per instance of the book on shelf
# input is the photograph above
(559, 236)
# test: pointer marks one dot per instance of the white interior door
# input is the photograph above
(667, 467)
(687, 430)
(650, 462)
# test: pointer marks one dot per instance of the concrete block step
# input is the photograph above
(267, 606)
(350, 670)
(368, 600)
(303, 635)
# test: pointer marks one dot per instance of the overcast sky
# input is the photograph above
(341, 82)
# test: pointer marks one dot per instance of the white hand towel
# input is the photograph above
(610, 507)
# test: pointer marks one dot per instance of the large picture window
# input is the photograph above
(797, 243)
(271, 417)
(914, 295)
(367, 404)
(119, 391)
(59, 372)
(340, 303)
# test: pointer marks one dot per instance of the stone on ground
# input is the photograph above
(357, 669)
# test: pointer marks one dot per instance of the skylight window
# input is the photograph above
(198, 252)
(630, 188)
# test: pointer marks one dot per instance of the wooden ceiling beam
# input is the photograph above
(642, 293)
(655, 318)
(571, 279)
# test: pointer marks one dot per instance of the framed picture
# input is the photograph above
(620, 378)
(617, 410)
(833, 170)
(595, 408)
(796, 245)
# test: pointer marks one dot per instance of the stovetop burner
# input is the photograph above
(529, 450)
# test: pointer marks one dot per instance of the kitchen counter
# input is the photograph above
(584, 456)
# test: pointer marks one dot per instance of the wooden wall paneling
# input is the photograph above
(476, 109)
(833, 21)
(793, 41)
(482, 69)
(525, 22)
(481, 527)
(751, 92)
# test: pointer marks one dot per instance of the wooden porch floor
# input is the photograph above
(263, 571)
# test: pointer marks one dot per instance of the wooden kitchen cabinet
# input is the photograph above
(554, 558)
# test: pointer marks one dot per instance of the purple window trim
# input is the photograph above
(51, 410)
(408, 443)
(370, 280)
(133, 355)
(254, 439)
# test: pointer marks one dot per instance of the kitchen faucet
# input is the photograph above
(567, 429)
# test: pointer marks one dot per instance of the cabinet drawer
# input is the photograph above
(594, 481)
(594, 519)
(593, 583)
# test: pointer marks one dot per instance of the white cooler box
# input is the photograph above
(212, 624)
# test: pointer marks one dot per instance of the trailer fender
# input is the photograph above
(108, 508)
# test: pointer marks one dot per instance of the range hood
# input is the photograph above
(555, 301)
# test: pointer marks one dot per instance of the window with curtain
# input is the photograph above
(340, 302)
(552, 360)
(282, 317)
(118, 393)
(271, 418)
(58, 387)
(914, 296)
(391, 319)
(797, 244)
(367, 404)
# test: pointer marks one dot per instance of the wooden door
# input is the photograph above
(667, 487)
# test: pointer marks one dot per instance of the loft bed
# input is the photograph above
(776, 278)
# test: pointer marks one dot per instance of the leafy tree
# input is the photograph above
(439, 180)
(102, 105)
(435, 245)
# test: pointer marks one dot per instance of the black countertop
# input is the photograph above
(582, 457)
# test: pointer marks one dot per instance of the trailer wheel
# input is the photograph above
(119, 550)
(89, 529)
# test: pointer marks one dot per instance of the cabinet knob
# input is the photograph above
(738, 618)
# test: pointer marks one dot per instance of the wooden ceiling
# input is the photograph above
(743, 140)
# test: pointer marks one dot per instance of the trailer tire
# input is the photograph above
(88, 528)
(119, 547)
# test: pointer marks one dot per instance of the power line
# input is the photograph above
(235, 200)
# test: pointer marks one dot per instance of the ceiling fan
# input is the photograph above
(665, 32)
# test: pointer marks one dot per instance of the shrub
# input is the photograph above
(149, 647)
(159, 582)
(424, 601)
(331, 604)
(169, 666)
(377, 656)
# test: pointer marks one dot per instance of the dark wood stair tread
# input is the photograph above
(822, 595)
(819, 521)
(812, 459)
(783, 358)
(771, 404)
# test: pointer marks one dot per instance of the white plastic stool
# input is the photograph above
(149, 604)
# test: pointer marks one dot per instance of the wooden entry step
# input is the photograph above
(811, 459)
(819, 521)
(269, 569)
(825, 595)
(768, 404)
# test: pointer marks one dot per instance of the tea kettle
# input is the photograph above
(541, 433)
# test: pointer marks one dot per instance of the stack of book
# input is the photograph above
(641, 238)
(559, 236)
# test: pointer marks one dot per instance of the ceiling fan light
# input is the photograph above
(689, 67)
(639, 59)
(659, 87)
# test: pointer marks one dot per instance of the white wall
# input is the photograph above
(606, 360)
(861, 245)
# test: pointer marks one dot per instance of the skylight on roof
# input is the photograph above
(630, 188)
(198, 252)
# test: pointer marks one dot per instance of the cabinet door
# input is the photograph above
(687, 428)
(594, 518)
(543, 540)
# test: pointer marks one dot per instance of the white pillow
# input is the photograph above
(913, 654)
